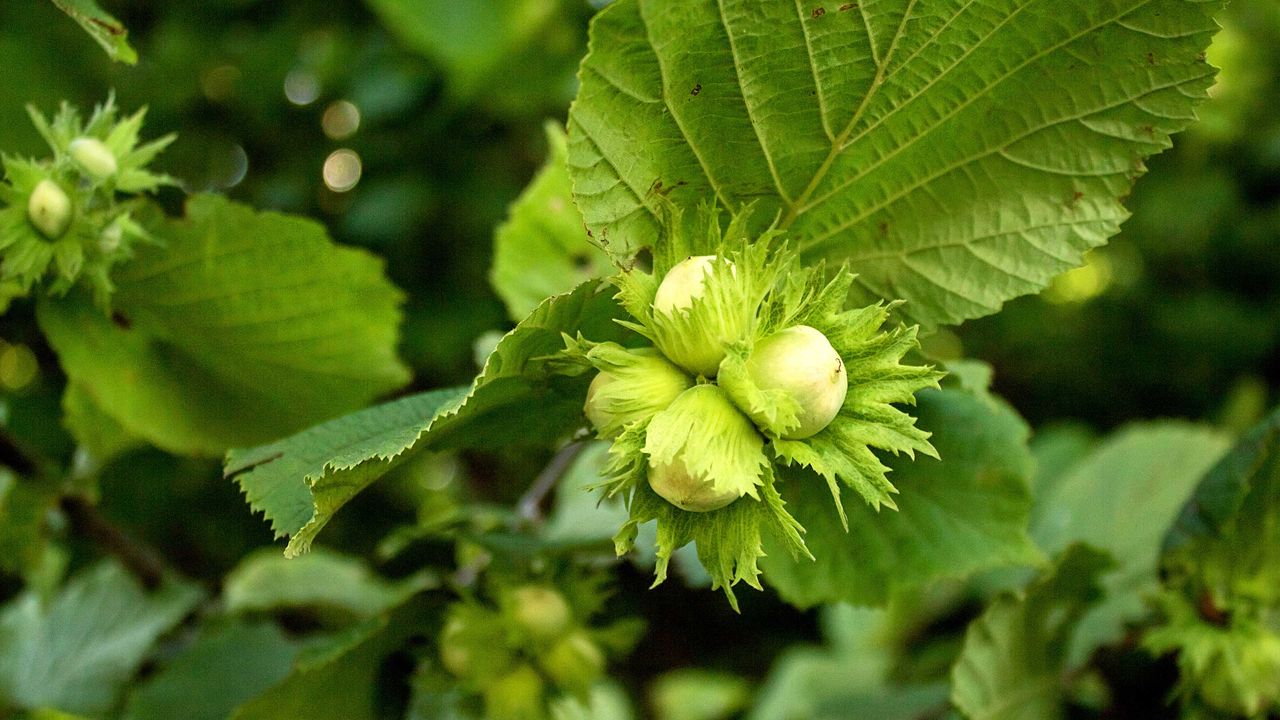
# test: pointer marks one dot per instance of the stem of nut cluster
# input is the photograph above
(139, 558)
(529, 508)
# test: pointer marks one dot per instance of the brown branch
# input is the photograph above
(137, 557)
(529, 508)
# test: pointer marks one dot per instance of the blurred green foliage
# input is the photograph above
(444, 105)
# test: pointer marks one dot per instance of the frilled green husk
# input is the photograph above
(98, 229)
(757, 289)
(1232, 666)
(632, 386)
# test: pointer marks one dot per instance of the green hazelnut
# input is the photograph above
(49, 209)
(518, 695)
(574, 663)
(675, 484)
(683, 284)
(639, 384)
(801, 363)
(93, 157)
(541, 611)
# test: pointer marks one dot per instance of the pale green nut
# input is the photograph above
(644, 384)
(94, 157)
(110, 238)
(574, 663)
(472, 649)
(518, 695)
(541, 611)
(800, 362)
(49, 209)
(683, 284)
(696, 343)
(674, 483)
(454, 653)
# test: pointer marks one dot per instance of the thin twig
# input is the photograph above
(140, 559)
(137, 557)
(529, 508)
(16, 458)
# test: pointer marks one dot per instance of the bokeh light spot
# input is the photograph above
(1082, 284)
(342, 170)
(341, 120)
(301, 87)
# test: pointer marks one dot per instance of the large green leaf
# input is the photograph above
(76, 652)
(1014, 659)
(102, 27)
(301, 481)
(1122, 498)
(510, 55)
(967, 512)
(542, 249)
(958, 153)
(228, 664)
(244, 327)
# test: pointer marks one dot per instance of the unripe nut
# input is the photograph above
(110, 238)
(518, 695)
(94, 157)
(801, 362)
(575, 662)
(541, 611)
(683, 284)
(698, 346)
(49, 209)
(634, 392)
(675, 484)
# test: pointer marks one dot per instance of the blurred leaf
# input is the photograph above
(580, 515)
(301, 481)
(337, 678)
(321, 580)
(965, 513)
(542, 249)
(225, 666)
(1015, 655)
(106, 30)
(76, 653)
(23, 508)
(95, 430)
(246, 326)
(1143, 471)
(848, 679)
(957, 156)
(694, 694)
(1234, 511)
(608, 701)
(506, 53)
